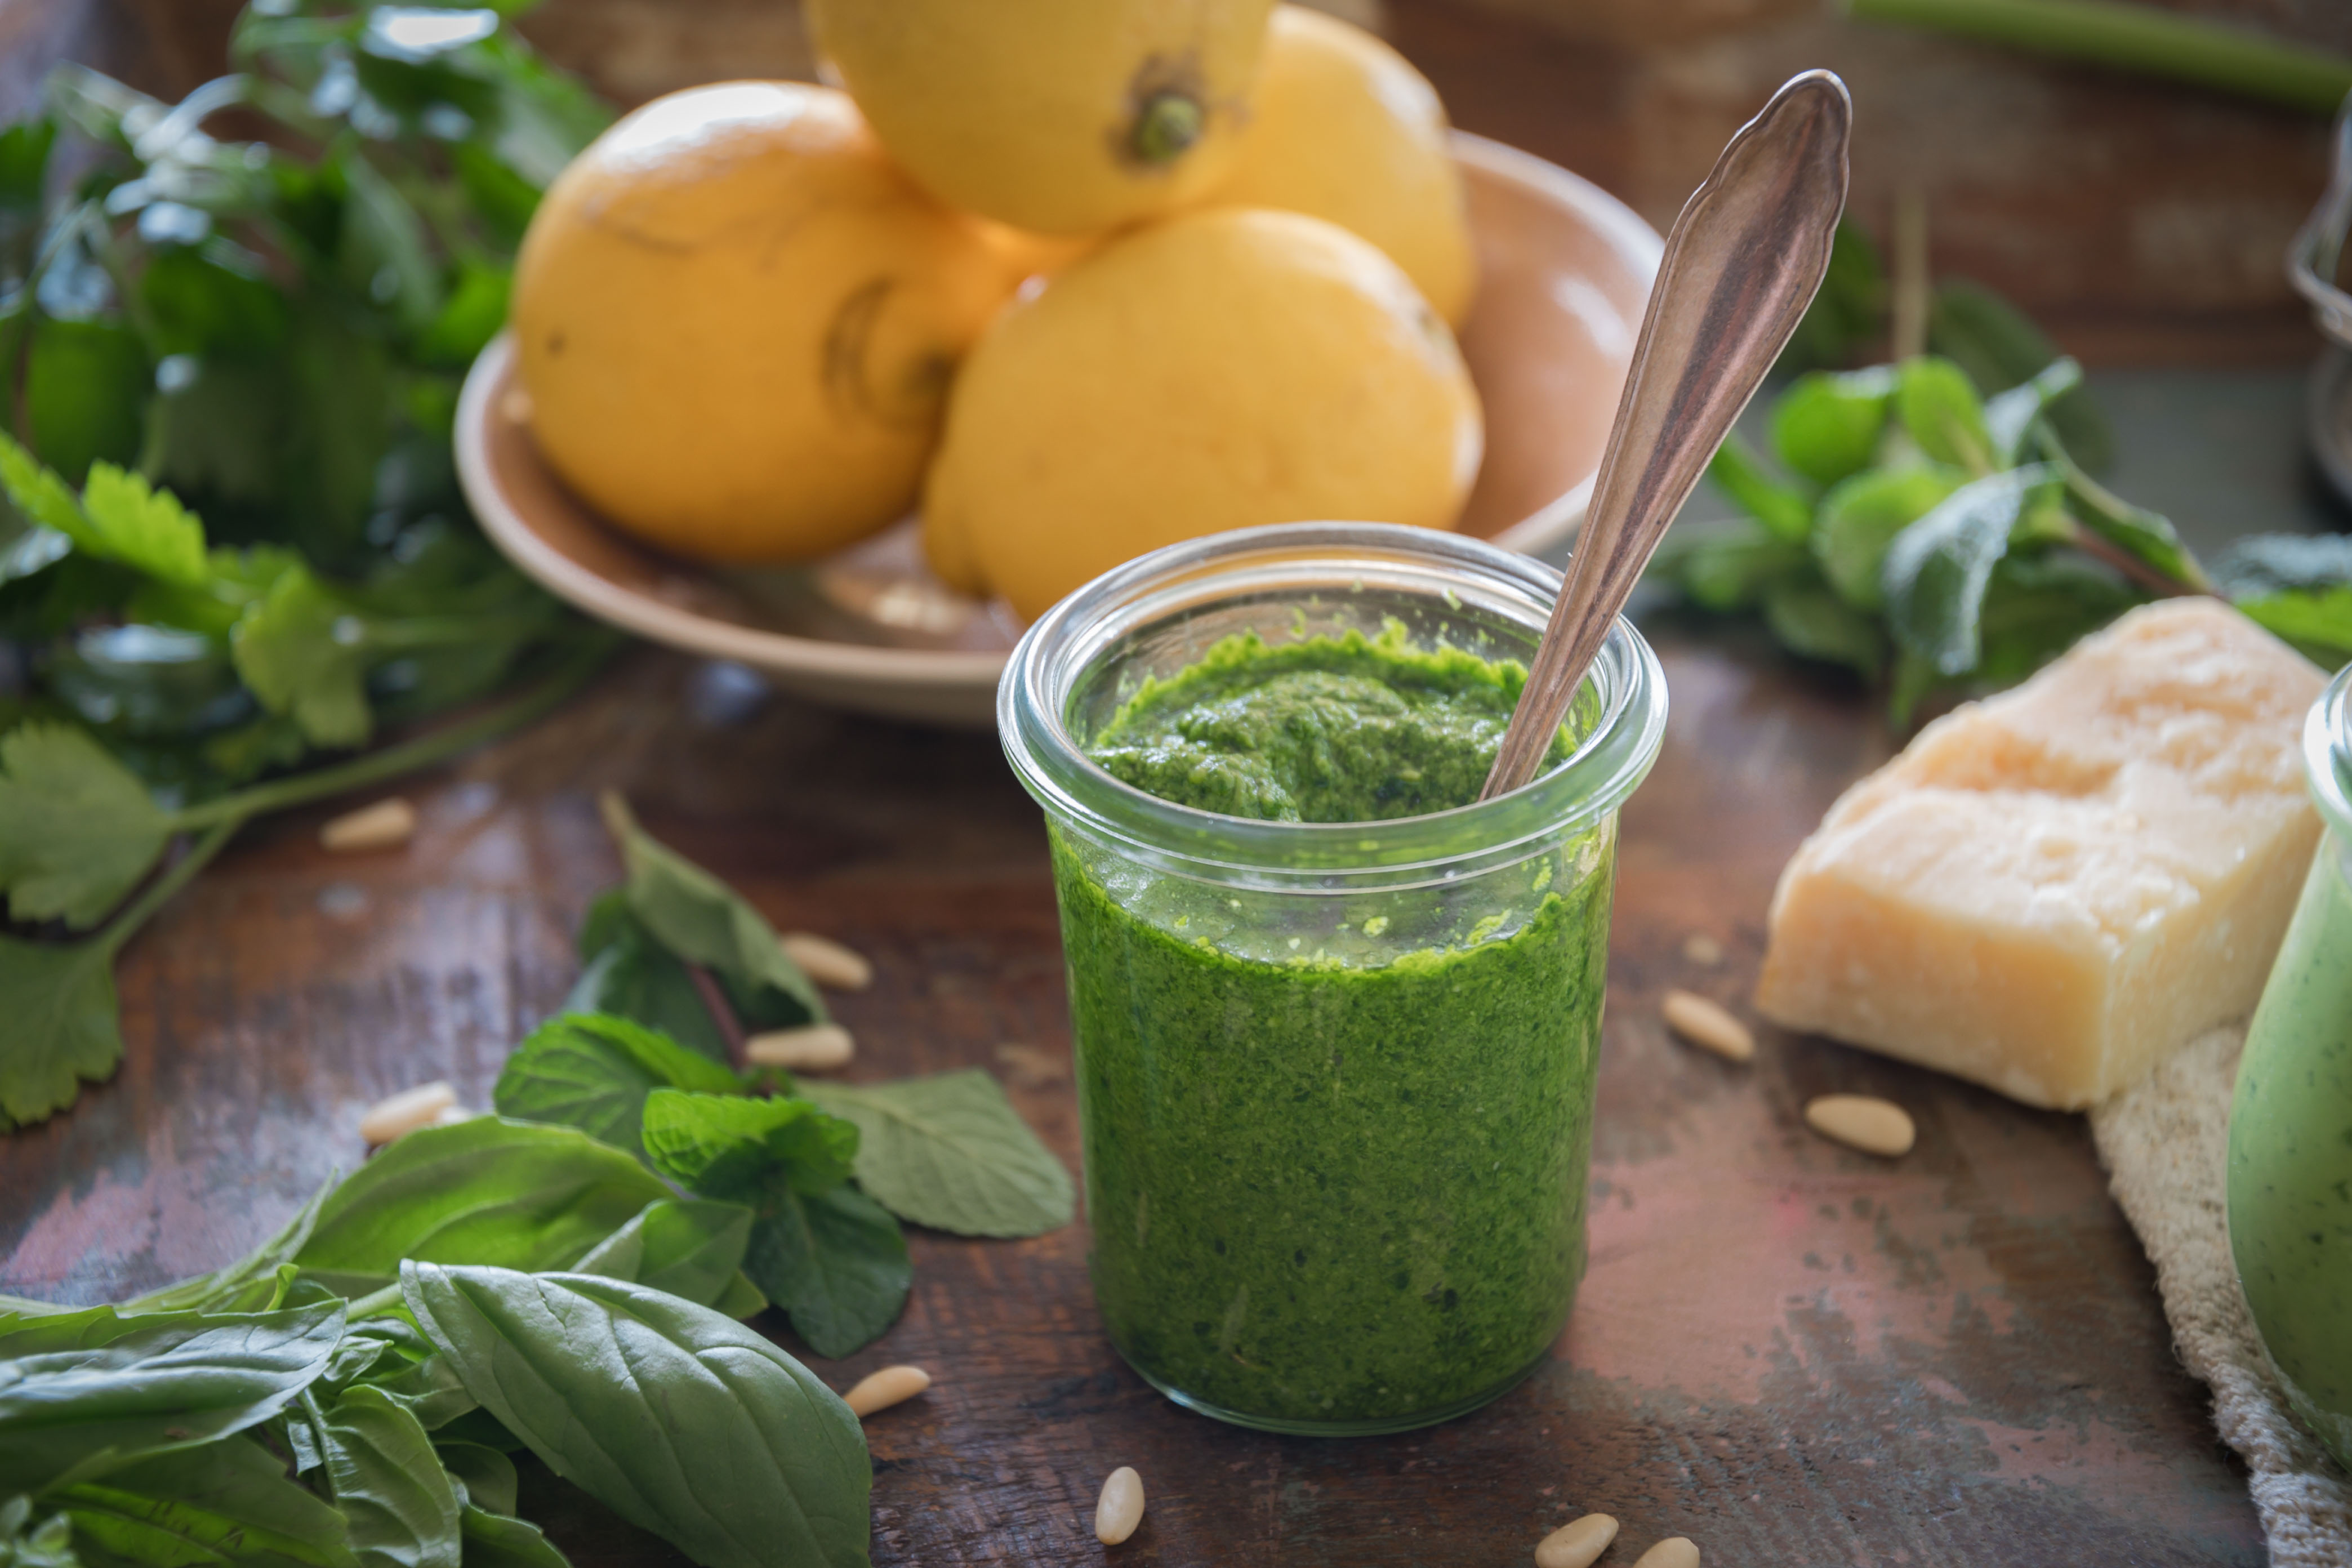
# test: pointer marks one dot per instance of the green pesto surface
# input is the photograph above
(1323, 729)
(2290, 1186)
(1336, 1149)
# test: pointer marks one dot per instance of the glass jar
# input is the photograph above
(2291, 1119)
(1335, 1079)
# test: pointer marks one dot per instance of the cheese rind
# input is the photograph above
(2049, 890)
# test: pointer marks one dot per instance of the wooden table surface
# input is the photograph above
(1792, 1354)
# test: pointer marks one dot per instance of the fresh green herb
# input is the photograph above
(1946, 541)
(592, 1071)
(226, 1502)
(386, 1480)
(687, 1247)
(949, 1152)
(25, 1544)
(743, 1460)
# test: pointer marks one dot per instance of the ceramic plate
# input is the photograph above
(1564, 272)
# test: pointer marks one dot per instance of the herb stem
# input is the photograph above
(408, 755)
(2163, 586)
(162, 890)
(2138, 38)
(373, 1304)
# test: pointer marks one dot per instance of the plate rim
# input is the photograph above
(881, 665)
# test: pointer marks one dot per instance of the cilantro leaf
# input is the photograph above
(141, 526)
(77, 830)
(950, 1152)
(303, 652)
(45, 500)
(59, 999)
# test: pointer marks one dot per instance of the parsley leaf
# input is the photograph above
(77, 830)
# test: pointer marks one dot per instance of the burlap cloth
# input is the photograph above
(2166, 1144)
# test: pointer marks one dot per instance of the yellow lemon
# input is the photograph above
(736, 320)
(1061, 116)
(1344, 128)
(1215, 370)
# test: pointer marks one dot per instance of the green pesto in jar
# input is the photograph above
(1336, 1147)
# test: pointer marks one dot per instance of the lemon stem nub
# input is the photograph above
(1167, 124)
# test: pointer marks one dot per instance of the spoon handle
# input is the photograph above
(1744, 260)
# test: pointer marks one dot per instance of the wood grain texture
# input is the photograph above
(1789, 1353)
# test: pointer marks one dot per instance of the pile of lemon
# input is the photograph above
(1080, 278)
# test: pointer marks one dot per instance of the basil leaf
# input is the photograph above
(489, 1190)
(949, 1152)
(1810, 620)
(1940, 409)
(689, 1247)
(728, 1146)
(484, 1477)
(77, 831)
(835, 1262)
(1740, 475)
(429, 1390)
(1827, 424)
(90, 1392)
(388, 1482)
(700, 919)
(1860, 517)
(681, 1421)
(499, 1540)
(226, 1502)
(592, 1071)
(24, 1544)
(247, 1285)
(1937, 570)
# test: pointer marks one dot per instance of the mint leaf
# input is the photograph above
(1939, 407)
(304, 653)
(77, 830)
(1861, 516)
(2009, 416)
(743, 1150)
(1827, 424)
(142, 527)
(1937, 570)
(836, 1262)
(2143, 533)
(949, 1152)
(92, 1391)
(702, 921)
(59, 999)
(1725, 566)
(681, 1421)
(1994, 343)
(388, 1482)
(629, 974)
(1740, 475)
(226, 1502)
(1810, 620)
(592, 1071)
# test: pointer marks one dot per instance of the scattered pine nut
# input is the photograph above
(827, 962)
(1674, 1552)
(452, 1116)
(1703, 951)
(812, 1047)
(1862, 1122)
(385, 823)
(398, 1115)
(880, 1390)
(1032, 1067)
(1121, 1509)
(1705, 1023)
(1577, 1543)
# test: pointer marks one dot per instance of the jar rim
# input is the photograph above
(1064, 643)
(2327, 752)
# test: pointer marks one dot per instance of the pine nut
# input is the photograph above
(1705, 1023)
(452, 1116)
(1121, 1509)
(398, 1115)
(385, 823)
(826, 962)
(1703, 951)
(1674, 1552)
(813, 1047)
(1032, 1067)
(1862, 1122)
(880, 1390)
(1575, 1544)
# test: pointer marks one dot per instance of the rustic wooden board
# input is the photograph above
(1792, 1354)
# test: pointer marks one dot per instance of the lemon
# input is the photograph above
(1062, 116)
(1212, 370)
(736, 320)
(1344, 128)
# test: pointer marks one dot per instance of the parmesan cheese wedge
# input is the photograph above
(2050, 891)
